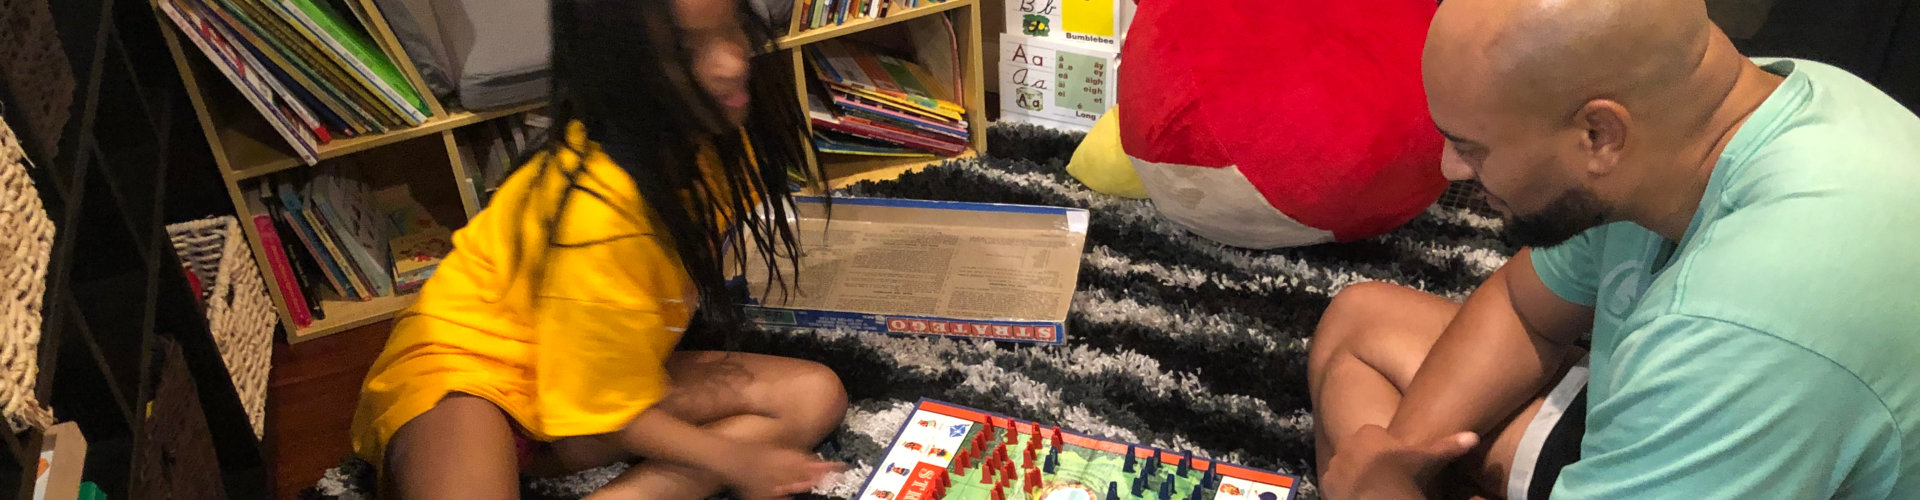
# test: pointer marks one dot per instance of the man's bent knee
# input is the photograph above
(1349, 314)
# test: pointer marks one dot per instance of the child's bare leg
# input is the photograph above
(462, 448)
(747, 397)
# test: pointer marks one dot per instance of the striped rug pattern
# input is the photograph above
(1173, 341)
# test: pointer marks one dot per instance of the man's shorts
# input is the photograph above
(1552, 440)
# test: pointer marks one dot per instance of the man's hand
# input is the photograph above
(1374, 464)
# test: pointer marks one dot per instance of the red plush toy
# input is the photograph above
(1278, 123)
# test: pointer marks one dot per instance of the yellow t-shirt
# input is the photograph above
(583, 354)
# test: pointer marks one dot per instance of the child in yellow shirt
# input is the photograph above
(546, 340)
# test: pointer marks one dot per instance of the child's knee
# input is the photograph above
(819, 391)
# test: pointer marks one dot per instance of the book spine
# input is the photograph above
(309, 232)
(282, 270)
(882, 133)
(295, 136)
(271, 84)
(304, 267)
(359, 69)
(338, 211)
(309, 58)
(330, 239)
(891, 116)
(267, 55)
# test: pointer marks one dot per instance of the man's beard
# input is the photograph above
(1574, 212)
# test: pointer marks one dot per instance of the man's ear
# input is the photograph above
(1605, 122)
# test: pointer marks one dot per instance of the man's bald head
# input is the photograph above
(1564, 108)
(1548, 56)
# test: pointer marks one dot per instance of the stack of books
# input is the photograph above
(309, 67)
(872, 103)
(335, 235)
(817, 13)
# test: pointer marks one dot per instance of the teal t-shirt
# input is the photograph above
(1773, 352)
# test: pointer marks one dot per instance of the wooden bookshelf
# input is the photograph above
(257, 152)
(801, 36)
(247, 149)
(847, 170)
(965, 16)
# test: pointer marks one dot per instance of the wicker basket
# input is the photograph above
(26, 238)
(239, 312)
(177, 461)
(35, 67)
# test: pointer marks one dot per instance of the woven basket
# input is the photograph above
(239, 312)
(177, 461)
(26, 238)
(35, 67)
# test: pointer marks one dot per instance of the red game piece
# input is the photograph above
(1033, 477)
(1001, 452)
(963, 459)
(1034, 433)
(1056, 436)
(1029, 453)
(997, 495)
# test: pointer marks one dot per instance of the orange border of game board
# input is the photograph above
(1084, 441)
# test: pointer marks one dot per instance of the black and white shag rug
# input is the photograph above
(1174, 341)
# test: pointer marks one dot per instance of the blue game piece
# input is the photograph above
(1166, 489)
(1197, 490)
(1139, 483)
(1186, 463)
(1052, 463)
(1129, 467)
(1113, 490)
(1213, 474)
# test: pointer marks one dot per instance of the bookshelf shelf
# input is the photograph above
(898, 14)
(345, 315)
(847, 170)
(256, 151)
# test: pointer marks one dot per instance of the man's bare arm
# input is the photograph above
(1509, 338)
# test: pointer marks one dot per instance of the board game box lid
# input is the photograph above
(974, 270)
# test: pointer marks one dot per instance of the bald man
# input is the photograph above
(1719, 296)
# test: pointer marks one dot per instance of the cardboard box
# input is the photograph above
(971, 270)
(63, 455)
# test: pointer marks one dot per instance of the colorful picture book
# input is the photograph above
(870, 102)
(310, 70)
(335, 236)
(819, 13)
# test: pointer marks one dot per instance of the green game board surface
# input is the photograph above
(942, 452)
(1080, 466)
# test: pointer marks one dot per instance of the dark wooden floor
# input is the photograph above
(310, 398)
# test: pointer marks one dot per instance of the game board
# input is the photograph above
(950, 452)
